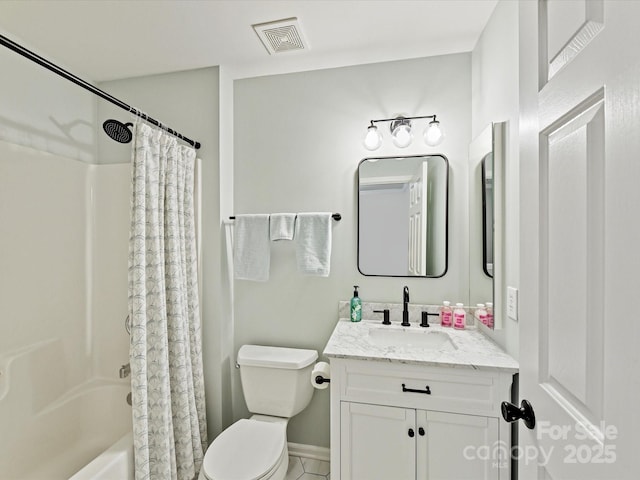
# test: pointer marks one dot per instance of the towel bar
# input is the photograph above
(336, 216)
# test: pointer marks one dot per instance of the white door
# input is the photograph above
(418, 221)
(377, 442)
(580, 238)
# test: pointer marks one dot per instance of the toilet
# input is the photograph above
(276, 382)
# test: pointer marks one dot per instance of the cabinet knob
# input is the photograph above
(411, 433)
(421, 431)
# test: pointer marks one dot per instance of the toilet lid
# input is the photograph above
(247, 450)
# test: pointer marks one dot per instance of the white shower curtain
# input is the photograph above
(169, 426)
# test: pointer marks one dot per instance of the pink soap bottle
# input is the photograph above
(481, 313)
(459, 317)
(446, 314)
(489, 315)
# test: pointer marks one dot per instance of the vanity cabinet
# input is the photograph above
(399, 421)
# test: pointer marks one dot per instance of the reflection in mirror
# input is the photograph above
(486, 219)
(402, 216)
(487, 214)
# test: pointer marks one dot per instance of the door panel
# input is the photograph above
(567, 29)
(579, 236)
(571, 189)
(375, 442)
(456, 446)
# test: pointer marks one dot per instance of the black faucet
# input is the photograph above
(405, 310)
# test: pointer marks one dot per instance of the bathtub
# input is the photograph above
(114, 463)
(56, 438)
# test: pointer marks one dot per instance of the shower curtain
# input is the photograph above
(169, 425)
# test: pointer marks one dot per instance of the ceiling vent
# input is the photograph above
(281, 36)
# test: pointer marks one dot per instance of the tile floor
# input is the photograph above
(301, 468)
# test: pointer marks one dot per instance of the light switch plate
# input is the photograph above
(512, 303)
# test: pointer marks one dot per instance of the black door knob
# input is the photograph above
(411, 433)
(511, 413)
(421, 432)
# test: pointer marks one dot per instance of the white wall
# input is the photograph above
(495, 99)
(298, 142)
(63, 290)
(109, 227)
(43, 260)
(48, 192)
(62, 218)
(41, 110)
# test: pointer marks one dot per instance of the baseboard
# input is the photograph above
(309, 451)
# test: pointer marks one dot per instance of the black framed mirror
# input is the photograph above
(403, 205)
(486, 166)
(486, 219)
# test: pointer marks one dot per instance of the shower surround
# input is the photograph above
(63, 290)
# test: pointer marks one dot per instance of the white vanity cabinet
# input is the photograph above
(394, 421)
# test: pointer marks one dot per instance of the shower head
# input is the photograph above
(117, 130)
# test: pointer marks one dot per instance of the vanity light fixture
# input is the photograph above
(401, 134)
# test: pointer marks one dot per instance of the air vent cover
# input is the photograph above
(281, 36)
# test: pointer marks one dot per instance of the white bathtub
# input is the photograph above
(55, 439)
(114, 463)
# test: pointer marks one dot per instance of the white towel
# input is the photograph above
(251, 247)
(282, 226)
(313, 243)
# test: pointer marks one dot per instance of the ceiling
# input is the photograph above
(112, 39)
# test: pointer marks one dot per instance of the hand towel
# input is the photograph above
(282, 226)
(251, 247)
(313, 243)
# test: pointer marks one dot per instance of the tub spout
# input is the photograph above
(125, 370)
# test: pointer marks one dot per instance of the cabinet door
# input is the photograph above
(454, 446)
(376, 442)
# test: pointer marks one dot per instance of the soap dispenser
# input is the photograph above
(356, 306)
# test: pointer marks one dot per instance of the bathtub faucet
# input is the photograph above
(125, 370)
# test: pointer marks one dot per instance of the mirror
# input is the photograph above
(486, 184)
(486, 219)
(403, 216)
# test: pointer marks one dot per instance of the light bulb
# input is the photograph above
(402, 136)
(433, 134)
(373, 138)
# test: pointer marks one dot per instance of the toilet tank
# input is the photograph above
(276, 380)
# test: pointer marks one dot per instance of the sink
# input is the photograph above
(426, 339)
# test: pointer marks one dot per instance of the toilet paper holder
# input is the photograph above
(320, 380)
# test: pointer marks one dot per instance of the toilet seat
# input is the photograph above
(247, 450)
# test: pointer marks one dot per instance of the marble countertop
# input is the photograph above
(351, 340)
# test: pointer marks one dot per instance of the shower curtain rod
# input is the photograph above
(19, 49)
